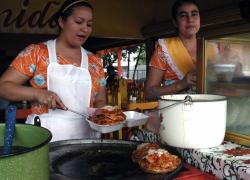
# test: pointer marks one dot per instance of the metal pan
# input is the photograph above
(99, 160)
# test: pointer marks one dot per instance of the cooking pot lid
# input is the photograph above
(99, 159)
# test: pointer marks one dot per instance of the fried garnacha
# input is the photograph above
(153, 159)
(142, 150)
(108, 116)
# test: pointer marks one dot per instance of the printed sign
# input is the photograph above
(29, 16)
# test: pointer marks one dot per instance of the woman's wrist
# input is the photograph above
(35, 93)
(180, 85)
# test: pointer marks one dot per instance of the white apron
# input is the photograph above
(73, 85)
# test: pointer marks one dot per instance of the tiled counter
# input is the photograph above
(228, 161)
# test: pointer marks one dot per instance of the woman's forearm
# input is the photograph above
(100, 103)
(16, 92)
(153, 93)
(100, 99)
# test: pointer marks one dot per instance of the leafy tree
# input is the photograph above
(140, 50)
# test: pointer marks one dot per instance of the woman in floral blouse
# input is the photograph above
(62, 75)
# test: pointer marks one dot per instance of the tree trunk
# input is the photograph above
(137, 60)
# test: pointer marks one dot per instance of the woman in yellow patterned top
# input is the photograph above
(172, 66)
(62, 76)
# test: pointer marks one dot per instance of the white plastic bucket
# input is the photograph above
(198, 124)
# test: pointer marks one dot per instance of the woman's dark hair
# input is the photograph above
(68, 7)
(179, 3)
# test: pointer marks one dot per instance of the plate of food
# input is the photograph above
(134, 118)
(107, 119)
(154, 159)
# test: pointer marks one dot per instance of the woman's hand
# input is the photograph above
(191, 78)
(50, 99)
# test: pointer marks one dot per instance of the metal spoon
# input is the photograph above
(81, 114)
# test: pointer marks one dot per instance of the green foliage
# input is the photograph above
(126, 52)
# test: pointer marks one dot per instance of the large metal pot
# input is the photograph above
(196, 123)
(29, 159)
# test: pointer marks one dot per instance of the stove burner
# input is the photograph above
(102, 164)
(98, 161)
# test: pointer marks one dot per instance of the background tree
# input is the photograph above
(140, 59)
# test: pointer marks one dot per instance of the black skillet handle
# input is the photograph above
(37, 121)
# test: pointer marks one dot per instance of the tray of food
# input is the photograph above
(107, 119)
(106, 128)
(134, 118)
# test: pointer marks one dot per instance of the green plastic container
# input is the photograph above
(30, 157)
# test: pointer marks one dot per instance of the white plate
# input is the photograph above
(134, 118)
(106, 128)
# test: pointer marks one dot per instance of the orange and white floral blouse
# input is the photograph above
(33, 62)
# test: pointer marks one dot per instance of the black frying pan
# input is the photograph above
(99, 160)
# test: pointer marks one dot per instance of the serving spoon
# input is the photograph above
(76, 112)
(84, 114)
